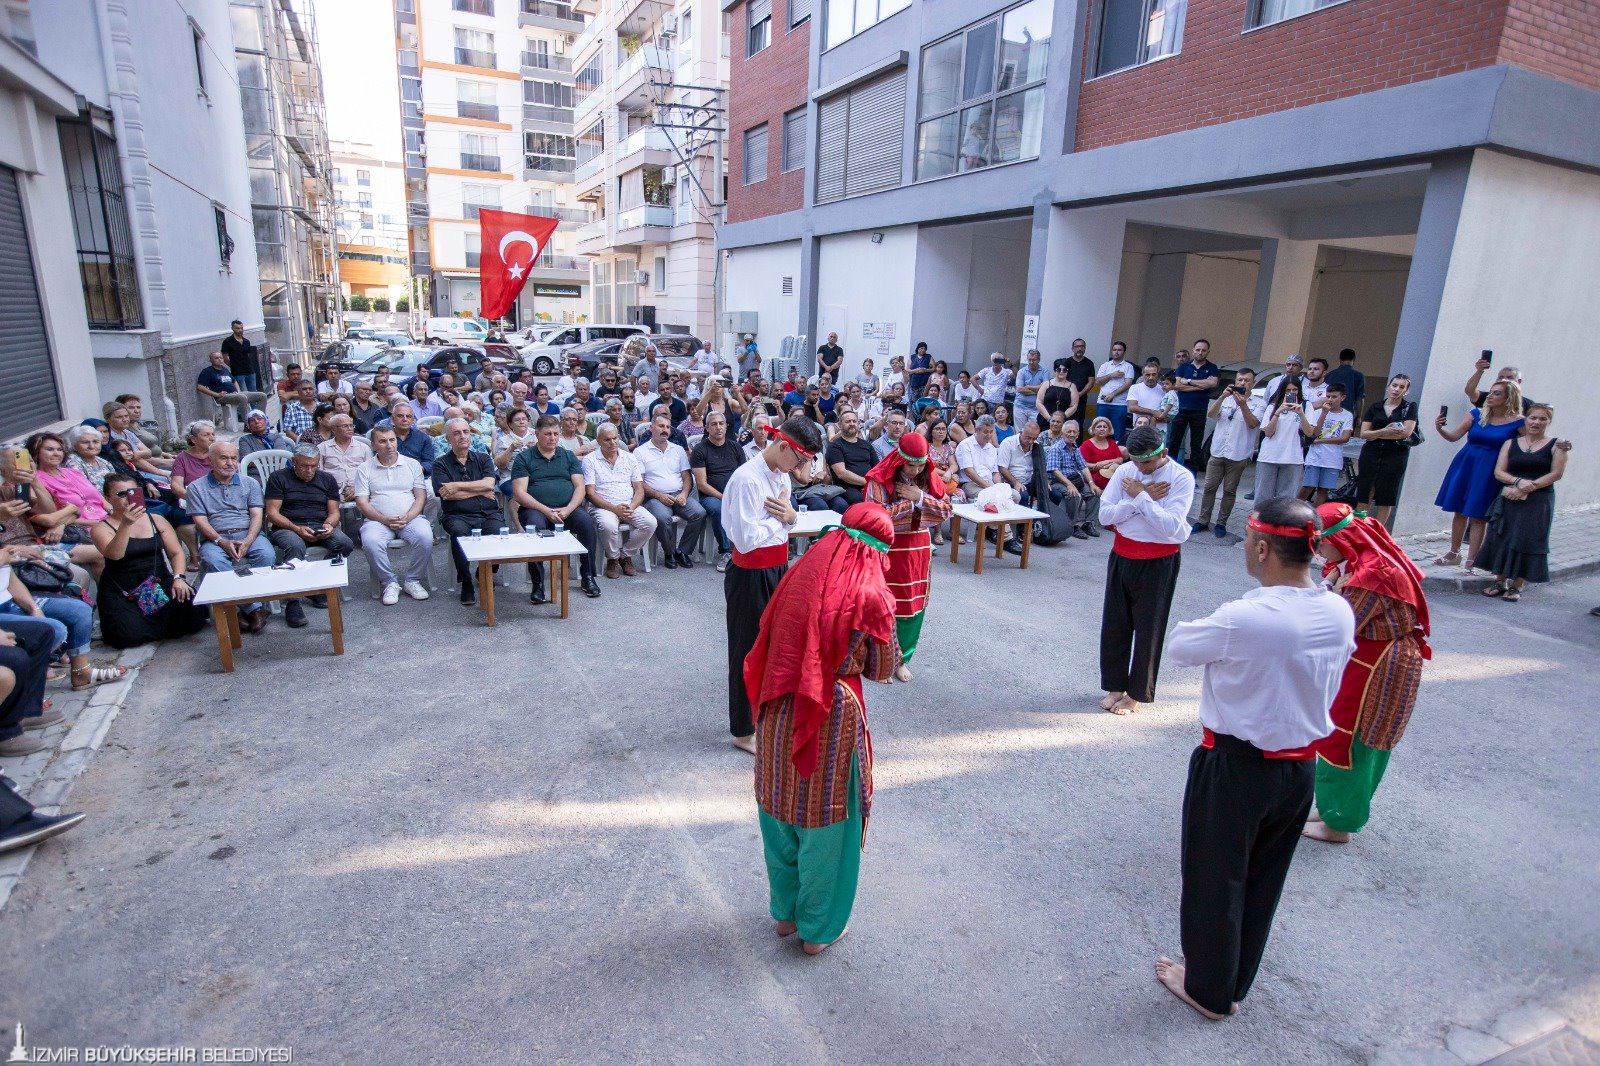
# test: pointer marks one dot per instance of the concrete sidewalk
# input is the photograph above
(1574, 550)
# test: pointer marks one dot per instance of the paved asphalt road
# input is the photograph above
(534, 844)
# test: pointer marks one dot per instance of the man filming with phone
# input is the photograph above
(1475, 396)
(1233, 442)
(303, 513)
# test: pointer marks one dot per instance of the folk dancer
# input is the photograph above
(830, 623)
(1384, 589)
(757, 515)
(1146, 502)
(905, 484)
(1272, 659)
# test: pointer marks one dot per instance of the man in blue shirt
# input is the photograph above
(1354, 382)
(216, 381)
(1197, 376)
(1030, 379)
(412, 442)
(227, 512)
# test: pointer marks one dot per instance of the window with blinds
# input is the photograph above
(799, 11)
(755, 154)
(25, 365)
(861, 139)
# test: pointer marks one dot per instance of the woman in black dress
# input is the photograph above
(1058, 394)
(1516, 548)
(137, 546)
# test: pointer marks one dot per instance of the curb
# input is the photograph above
(1460, 582)
(48, 782)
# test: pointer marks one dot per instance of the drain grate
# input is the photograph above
(1564, 1047)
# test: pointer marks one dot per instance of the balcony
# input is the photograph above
(551, 16)
(472, 57)
(560, 268)
(650, 224)
(487, 163)
(470, 211)
(590, 174)
(592, 235)
(634, 71)
(543, 118)
(473, 7)
(544, 62)
(547, 168)
(646, 146)
(485, 112)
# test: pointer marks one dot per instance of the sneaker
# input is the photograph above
(294, 615)
(20, 745)
(1199, 527)
(34, 828)
(42, 721)
(628, 569)
(391, 594)
(415, 590)
(613, 568)
(1221, 531)
(319, 601)
(723, 559)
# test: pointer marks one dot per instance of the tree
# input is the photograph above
(402, 305)
(380, 303)
(358, 302)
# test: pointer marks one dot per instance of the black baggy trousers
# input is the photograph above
(1133, 623)
(747, 592)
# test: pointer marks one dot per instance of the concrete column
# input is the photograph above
(1083, 260)
(806, 293)
(1430, 265)
(1288, 301)
(1038, 244)
(1263, 300)
(1158, 318)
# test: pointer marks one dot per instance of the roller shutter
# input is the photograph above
(861, 139)
(27, 375)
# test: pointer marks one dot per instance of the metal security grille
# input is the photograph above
(100, 225)
(861, 139)
(31, 399)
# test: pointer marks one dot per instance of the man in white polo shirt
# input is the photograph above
(389, 494)
(614, 487)
(994, 379)
(667, 481)
(978, 458)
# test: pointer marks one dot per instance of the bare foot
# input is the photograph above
(817, 949)
(1321, 831)
(902, 672)
(786, 928)
(1109, 699)
(1314, 816)
(1124, 706)
(1170, 974)
(746, 743)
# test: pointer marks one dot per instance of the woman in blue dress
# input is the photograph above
(1470, 487)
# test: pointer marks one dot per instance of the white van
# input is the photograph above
(548, 357)
(454, 331)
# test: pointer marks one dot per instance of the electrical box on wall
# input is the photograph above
(739, 322)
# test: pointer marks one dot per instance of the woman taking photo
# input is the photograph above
(1470, 486)
(1385, 429)
(65, 503)
(1280, 465)
(1101, 452)
(143, 594)
(1059, 396)
(1516, 548)
(905, 484)
(1379, 688)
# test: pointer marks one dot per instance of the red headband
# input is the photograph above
(1308, 531)
(801, 452)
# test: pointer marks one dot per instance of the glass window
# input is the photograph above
(846, 18)
(1266, 12)
(1132, 32)
(755, 154)
(759, 20)
(992, 111)
(794, 140)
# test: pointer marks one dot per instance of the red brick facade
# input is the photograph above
(1560, 38)
(1359, 46)
(762, 89)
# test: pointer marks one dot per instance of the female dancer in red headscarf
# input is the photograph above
(1379, 690)
(829, 624)
(908, 486)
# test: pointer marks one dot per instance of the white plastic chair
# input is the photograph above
(263, 464)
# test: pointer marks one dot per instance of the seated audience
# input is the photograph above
(299, 414)
(410, 442)
(26, 645)
(366, 410)
(712, 462)
(258, 435)
(302, 510)
(343, 454)
(665, 465)
(227, 512)
(390, 496)
(217, 382)
(850, 456)
(547, 484)
(143, 595)
(64, 502)
(614, 487)
(464, 480)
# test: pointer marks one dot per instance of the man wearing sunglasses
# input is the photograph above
(757, 517)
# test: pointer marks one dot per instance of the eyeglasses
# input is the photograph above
(126, 494)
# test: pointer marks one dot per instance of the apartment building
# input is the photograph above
(486, 99)
(369, 196)
(1416, 181)
(650, 116)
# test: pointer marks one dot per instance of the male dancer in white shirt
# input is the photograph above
(1274, 660)
(1147, 503)
(757, 517)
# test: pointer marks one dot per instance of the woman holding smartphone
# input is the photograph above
(1470, 486)
(1280, 465)
(143, 595)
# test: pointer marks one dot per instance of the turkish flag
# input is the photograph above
(508, 246)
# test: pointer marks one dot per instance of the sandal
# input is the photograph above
(1448, 559)
(1496, 589)
(92, 675)
(1512, 596)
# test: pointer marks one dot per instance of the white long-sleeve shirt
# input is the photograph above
(1274, 659)
(1163, 521)
(744, 506)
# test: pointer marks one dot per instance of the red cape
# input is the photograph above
(1373, 561)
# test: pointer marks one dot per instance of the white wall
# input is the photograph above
(753, 281)
(1219, 292)
(1356, 304)
(1083, 264)
(971, 290)
(1522, 282)
(860, 282)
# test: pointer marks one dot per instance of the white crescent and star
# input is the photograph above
(516, 236)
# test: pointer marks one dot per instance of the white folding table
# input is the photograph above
(489, 551)
(1012, 515)
(223, 591)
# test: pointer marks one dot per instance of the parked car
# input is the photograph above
(534, 335)
(547, 357)
(347, 354)
(404, 361)
(454, 331)
(590, 357)
(378, 333)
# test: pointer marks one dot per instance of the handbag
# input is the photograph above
(149, 597)
(1416, 429)
(45, 577)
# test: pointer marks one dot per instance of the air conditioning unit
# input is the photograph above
(669, 176)
(641, 278)
(669, 25)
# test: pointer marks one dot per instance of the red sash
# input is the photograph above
(762, 558)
